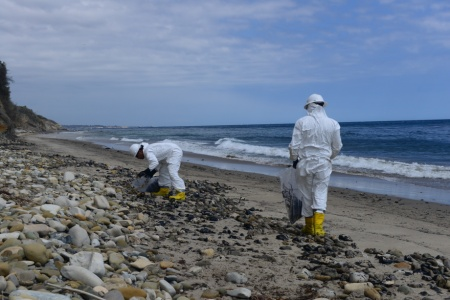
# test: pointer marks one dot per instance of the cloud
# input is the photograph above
(130, 49)
(167, 43)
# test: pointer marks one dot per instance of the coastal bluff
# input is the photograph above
(14, 118)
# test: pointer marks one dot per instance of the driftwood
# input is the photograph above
(76, 291)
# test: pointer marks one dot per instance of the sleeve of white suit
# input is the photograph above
(152, 160)
(336, 143)
(294, 146)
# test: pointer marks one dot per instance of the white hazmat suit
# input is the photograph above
(166, 157)
(315, 141)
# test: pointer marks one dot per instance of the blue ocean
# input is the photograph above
(402, 158)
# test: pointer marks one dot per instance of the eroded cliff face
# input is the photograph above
(27, 120)
(14, 119)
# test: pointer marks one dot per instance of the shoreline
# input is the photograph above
(358, 183)
(408, 188)
(372, 220)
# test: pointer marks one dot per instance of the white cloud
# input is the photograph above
(100, 39)
(100, 46)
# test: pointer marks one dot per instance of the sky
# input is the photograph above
(226, 62)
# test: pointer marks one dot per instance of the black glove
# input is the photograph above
(294, 164)
(147, 173)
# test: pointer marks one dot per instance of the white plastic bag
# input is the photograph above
(291, 194)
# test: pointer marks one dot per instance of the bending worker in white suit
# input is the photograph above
(165, 157)
(316, 140)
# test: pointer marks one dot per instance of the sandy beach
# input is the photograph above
(370, 221)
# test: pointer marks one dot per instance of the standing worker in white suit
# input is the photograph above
(316, 140)
(165, 158)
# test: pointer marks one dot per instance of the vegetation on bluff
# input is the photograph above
(13, 117)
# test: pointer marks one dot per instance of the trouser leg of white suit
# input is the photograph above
(320, 191)
(314, 190)
(177, 182)
(168, 176)
(164, 177)
(174, 163)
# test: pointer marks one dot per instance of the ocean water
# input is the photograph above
(403, 158)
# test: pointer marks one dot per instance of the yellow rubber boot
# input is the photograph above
(164, 191)
(179, 196)
(318, 224)
(308, 228)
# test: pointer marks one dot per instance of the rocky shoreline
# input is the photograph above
(75, 228)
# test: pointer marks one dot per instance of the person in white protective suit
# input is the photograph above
(316, 140)
(165, 158)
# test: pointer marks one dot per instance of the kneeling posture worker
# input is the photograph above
(316, 140)
(165, 158)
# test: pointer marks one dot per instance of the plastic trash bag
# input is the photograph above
(291, 194)
(144, 184)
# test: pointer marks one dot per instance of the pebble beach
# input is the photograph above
(73, 227)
